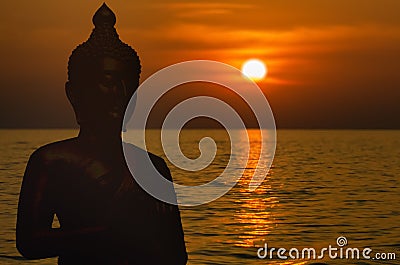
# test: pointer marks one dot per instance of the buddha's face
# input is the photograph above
(101, 97)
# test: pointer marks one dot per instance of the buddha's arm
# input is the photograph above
(35, 237)
(172, 236)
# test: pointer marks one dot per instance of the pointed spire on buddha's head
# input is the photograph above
(104, 16)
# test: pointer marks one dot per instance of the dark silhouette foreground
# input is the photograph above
(105, 217)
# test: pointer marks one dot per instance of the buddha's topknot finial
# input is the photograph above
(104, 16)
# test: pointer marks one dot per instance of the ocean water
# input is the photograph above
(322, 185)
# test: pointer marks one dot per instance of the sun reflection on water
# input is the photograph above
(253, 213)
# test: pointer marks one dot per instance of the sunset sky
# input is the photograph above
(331, 64)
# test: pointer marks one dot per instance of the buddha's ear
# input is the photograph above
(69, 90)
(72, 97)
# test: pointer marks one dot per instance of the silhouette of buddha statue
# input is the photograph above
(105, 217)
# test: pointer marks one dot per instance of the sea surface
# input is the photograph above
(322, 185)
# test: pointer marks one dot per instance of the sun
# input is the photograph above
(254, 69)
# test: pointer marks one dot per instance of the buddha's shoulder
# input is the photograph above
(55, 150)
(134, 151)
(138, 154)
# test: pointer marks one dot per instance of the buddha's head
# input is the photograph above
(103, 74)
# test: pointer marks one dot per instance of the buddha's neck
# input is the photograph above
(103, 136)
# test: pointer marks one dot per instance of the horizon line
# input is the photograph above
(216, 128)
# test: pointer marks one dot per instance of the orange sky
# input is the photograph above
(332, 64)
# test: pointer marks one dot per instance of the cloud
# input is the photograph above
(285, 51)
(201, 10)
